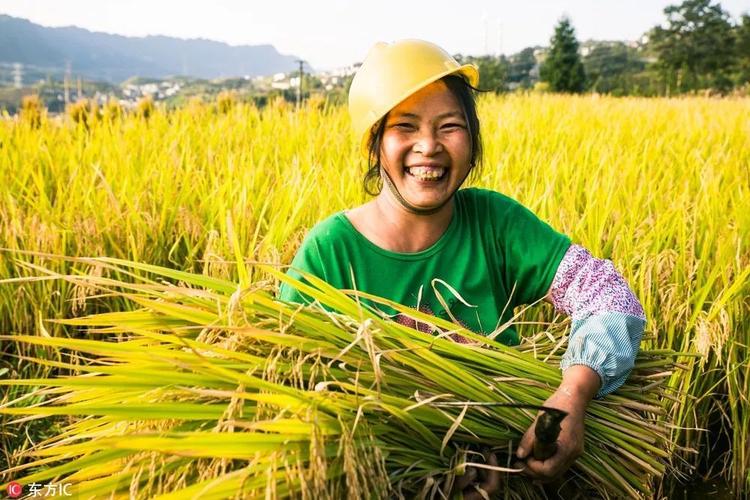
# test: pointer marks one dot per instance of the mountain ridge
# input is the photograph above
(115, 58)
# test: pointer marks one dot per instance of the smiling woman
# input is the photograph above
(469, 255)
(424, 154)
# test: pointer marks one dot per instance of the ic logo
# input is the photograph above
(15, 490)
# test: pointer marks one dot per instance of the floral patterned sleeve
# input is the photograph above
(608, 319)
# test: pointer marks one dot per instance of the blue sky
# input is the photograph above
(333, 33)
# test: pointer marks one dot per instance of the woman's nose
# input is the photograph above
(427, 143)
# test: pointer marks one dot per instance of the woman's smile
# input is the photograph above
(427, 172)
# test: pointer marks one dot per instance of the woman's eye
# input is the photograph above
(452, 126)
(405, 126)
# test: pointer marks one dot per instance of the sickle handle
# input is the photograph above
(546, 431)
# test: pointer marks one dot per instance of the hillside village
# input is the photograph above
(173, 91)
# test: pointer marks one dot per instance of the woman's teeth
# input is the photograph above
(426, 173)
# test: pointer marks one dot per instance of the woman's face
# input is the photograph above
(426, 147)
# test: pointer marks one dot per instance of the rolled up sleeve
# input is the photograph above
(608, 344)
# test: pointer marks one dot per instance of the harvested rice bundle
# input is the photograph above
(210, 390)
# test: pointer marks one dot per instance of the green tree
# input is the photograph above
(611, 66)
(563, 69)
(695, 47)
(520, 66)
(742, 45)
(493, 71)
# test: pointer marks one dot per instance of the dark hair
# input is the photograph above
(465, 94)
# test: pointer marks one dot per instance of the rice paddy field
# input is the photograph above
(143, 354)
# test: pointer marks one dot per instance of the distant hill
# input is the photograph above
(114, 58)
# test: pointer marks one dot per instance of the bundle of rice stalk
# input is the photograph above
(213, 390)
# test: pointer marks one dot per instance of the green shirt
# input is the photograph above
(496, 254)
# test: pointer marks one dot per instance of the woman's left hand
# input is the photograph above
(579, 385)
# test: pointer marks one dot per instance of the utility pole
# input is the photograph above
(486, 23)
(66, 83)
(299, 84)
(18, 75)
(499, 37)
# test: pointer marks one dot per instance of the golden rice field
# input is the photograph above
(660, 186)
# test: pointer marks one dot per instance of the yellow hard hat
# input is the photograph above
(392, 72)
